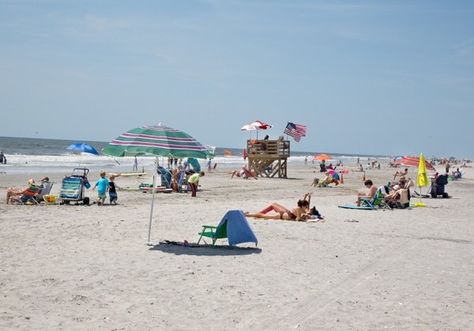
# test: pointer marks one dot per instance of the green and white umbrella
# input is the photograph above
(156, 140)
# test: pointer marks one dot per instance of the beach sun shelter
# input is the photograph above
(233, 226)
(157, 140)
(422, 178)
(323, 157)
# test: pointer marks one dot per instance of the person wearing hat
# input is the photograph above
(23, 195)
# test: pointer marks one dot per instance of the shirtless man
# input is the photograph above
(372, 190)
(400, 173)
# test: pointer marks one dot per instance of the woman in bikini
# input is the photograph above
(300, 213)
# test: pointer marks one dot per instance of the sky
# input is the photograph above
(366, 77)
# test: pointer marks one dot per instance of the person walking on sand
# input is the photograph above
(193, 181)
(113, 189)
(102, 186)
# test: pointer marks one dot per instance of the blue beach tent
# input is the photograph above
(195, 164)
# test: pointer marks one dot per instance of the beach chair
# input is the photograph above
(370, 204)
(213, 232)
(233, 226)
(45, 190)
(165, 175)
(183, 185)
(438, 186)
(73, 187)
(377, 201)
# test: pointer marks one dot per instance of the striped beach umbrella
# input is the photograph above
(414, 161)
(156, 140)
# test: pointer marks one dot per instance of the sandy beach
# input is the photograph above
(88, 267)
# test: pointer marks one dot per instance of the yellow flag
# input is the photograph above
(422, 176)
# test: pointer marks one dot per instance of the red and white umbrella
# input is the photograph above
(257, 125)
(413, 161)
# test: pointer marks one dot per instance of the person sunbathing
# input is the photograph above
(301, 212)
(243, 173)
(22, 195)
(325, 181)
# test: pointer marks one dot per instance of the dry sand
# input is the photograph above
(86, 268)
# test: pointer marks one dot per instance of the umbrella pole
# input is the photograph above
(151, 211)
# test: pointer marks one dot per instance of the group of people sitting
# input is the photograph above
(32, 193)
(302, 211)
(395, 195)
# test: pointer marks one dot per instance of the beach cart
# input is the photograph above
(73, 187)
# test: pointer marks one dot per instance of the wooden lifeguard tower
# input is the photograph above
(268, 158)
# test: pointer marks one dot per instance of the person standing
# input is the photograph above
(102, 186)
(113, 190)
(193, 181)
(135, 164)
(3, 159)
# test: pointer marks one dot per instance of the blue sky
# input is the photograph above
(369, 77)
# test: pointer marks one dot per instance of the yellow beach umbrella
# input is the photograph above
(422, 179)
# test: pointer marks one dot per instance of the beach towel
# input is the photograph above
(356, 207)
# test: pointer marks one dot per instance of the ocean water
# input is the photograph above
(31, 155)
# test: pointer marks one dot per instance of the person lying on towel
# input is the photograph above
(301, 212)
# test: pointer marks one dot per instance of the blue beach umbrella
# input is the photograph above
(83, 148)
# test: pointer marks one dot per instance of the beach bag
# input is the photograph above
(315, 212)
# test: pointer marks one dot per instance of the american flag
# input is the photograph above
(295, 130)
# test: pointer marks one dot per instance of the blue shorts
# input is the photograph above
(113, 196)
(25, 198)
(102, 195)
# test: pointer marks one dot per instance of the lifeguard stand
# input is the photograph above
(268, 158)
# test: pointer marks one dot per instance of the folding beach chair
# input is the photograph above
(376, 202)
(183, 185)
(165, 175)
(213, 232)
(46, 190)
(370, 204)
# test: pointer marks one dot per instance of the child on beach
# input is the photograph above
(113, 189)
(102, 187)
